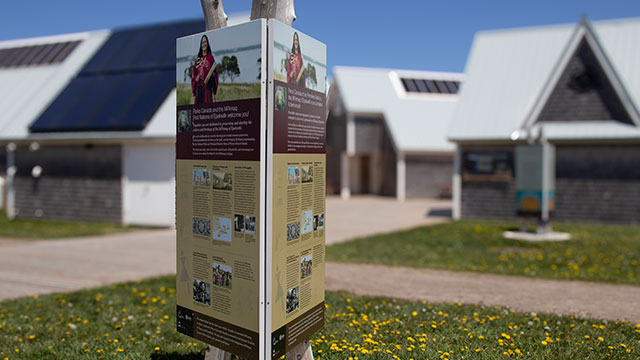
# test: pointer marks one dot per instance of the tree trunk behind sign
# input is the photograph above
(281, 10)
(214, 16)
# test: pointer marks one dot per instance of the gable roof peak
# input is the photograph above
(582, 34)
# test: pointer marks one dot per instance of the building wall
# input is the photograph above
(368, 135)
(336, 145)
(389, 169)
(598, 183)
(78, 183)
(148, 184)
(594, 183)
(583, 92)
(428, 176)
(3, 172)
(3, 160)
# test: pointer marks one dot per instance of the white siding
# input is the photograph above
(148, 184)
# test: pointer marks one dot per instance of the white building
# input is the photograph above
(386, 132)
(92, 116)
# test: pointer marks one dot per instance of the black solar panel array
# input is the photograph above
(430, 86)
(36, 54)
(123, 85)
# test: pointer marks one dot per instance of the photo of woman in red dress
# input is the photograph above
(295, 66)
(204, 76)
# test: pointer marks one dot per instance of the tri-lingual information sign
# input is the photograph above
(250, 187)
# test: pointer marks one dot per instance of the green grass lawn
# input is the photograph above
(596, 252)
(226, 92)
(29, 229)
(137, 321)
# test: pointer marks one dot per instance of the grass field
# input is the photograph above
(136, 321)
(226, 92)
(596, 252)
(28, 229)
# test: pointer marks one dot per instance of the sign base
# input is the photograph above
(302, 351)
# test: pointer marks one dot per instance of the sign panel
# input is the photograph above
(487, 166)
(535, 179)
(250, 187)
(297, 199)
(220, 187)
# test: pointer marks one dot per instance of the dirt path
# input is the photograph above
(585, 299)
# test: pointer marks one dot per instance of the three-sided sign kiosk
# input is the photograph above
(250, 187)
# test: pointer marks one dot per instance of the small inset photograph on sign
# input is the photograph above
(293, 299)
(222, 181)
(201, 226)
(293, 175)
(238, 223)
(321, 221)
(221, 228)
(305, 266)
(222, 275)
(184, 120)
(281, 98)
(316, 222)
(201, 177)
(306, 173)
(293, 231)
(250, 224)
(202, 292)
(307, 221)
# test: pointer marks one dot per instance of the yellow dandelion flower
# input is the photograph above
(544, 342)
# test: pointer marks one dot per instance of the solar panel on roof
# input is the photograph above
(442, 87)
(123, 85)
(426, 86)
(36, 54)
(422, 86)
(452, 86)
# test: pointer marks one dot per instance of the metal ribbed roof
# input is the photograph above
(26, 90)
(508, 70)
(417, 122)
(123, 85)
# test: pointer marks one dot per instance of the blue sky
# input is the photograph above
(413, 34)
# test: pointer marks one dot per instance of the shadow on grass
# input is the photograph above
(176, 356)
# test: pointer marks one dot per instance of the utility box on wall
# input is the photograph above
(535, 180)
(250, 187)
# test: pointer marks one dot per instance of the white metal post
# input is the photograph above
(11, 173)
(456, 185)
(401, 178)
(345, 176)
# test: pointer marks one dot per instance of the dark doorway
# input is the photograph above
(365, 173)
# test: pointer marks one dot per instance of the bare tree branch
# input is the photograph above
(281, 10)
(214, 15)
